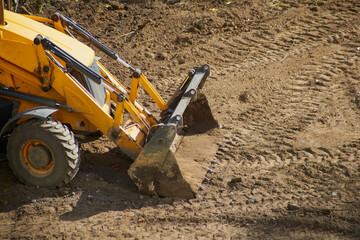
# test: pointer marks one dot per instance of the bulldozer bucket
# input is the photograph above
(170, 164)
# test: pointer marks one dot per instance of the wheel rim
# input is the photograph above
(37, 158)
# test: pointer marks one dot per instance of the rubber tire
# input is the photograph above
(61, 142)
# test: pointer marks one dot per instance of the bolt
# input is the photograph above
(114, 133)
(137, 73)
(55, 18)
(45, 89)
(37, 39)
(121, 97)
(191, 72)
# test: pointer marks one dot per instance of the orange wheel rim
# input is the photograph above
(37, 158)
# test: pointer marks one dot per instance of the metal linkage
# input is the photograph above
(68, 59)
(88, 36)
(188, 90)
(32, 98)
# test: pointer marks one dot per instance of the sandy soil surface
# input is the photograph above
(285, 86)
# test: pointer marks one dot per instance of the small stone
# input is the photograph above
(181, 60)
(193, 30)
(213, 161)
(183, 39)
(244, 97)
(114, 6)
(292, 207)
(68, 208)
(149, 55)
(161, 56)
(199, 25)
(210, 170)
(50, 210)
(236, 179)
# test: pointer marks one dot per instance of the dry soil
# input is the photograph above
(285, 87)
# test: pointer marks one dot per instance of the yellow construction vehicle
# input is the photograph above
(52, 86)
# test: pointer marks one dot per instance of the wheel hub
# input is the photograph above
(39, 156)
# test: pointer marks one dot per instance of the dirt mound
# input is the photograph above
(285, 88)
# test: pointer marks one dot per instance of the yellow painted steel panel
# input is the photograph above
(19, 28)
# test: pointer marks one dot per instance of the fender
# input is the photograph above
(37, 112)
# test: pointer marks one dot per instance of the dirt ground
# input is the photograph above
(285, 87)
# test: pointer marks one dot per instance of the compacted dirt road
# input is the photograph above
(285, 87)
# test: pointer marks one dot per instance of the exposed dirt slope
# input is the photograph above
(285, 86)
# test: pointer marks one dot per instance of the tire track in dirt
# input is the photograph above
(308, 88)
(295, 139)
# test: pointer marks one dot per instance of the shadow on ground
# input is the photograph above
(310, 223)
(102, 184)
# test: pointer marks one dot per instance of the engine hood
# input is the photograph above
(17, 46)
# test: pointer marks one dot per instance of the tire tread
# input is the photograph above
(64, 136)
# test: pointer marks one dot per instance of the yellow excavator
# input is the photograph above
(52, 86)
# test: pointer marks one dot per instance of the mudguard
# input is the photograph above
(37, 112)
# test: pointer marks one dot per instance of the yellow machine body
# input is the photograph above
(33, 75)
